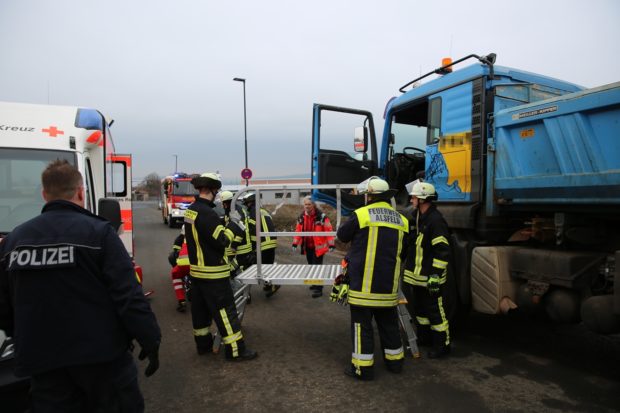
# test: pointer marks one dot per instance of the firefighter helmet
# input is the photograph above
(372, 185)
(249, 198)
(207, 180)
(226, 196)
(423, 190)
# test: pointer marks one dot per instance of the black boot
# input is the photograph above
(245, 355)
(365, 374)
(440, 347)
(423, 333)
(317, 291)
(204, 344)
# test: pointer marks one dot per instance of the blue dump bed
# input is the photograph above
(564, 150)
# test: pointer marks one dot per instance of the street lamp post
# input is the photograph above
(175, 163)
(245, 125)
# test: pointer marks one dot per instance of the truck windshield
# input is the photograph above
(184, 188)
(20, 183)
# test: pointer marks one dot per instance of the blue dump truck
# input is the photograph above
(527, 170)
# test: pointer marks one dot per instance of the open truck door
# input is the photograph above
(338, 160)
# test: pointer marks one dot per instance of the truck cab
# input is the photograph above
(524, 165)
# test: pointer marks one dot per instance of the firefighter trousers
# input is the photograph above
(362, 357)
(214, 300)
(429, 312)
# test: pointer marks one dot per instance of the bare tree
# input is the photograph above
(151, 184)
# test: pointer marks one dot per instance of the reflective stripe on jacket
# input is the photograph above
(183, 258)
(429, 248)
(377, 235)
(242, 241)
(206, 240)
(266, 225)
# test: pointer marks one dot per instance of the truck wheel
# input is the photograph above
(597, 314)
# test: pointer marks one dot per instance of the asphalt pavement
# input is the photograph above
(498, 364)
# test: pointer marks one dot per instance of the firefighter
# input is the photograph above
(377, 234)
(426, 268)
(241, 247)
(180, 269)
(268, 243)
(70, 298)
(212, 295)
(312, 219)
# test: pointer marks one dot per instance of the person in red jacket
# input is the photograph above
(312, 219)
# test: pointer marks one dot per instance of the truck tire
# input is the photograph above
(597, 314)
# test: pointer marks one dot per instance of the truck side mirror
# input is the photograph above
(360, 141)
(110, 209)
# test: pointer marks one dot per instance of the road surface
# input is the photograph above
(498, 364)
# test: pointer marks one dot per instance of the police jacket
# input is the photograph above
(429, 249)
(266, 225)
(377, 235)
(206, 240)
(68, 292)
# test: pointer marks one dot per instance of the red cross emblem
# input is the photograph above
(53, 131)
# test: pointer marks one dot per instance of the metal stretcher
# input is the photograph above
(302, 274)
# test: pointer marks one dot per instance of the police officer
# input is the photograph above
(426, 270)
(268, 243)
(377, 234)
(70, 298)
(212, 295)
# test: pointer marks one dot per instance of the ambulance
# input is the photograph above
(30, 137)
(33, 135)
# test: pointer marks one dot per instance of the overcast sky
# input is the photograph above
(163, 70)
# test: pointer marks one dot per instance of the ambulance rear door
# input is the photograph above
(118, 186)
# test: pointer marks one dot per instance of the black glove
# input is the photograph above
(153, 356)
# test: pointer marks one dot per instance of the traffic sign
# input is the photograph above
(246, 173)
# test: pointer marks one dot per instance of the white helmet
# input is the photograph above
(249, 197)
(423, 190)
(372, 185)
(207, 180)
(226, 196)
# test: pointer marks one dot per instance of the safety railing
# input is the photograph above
(284, 188)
